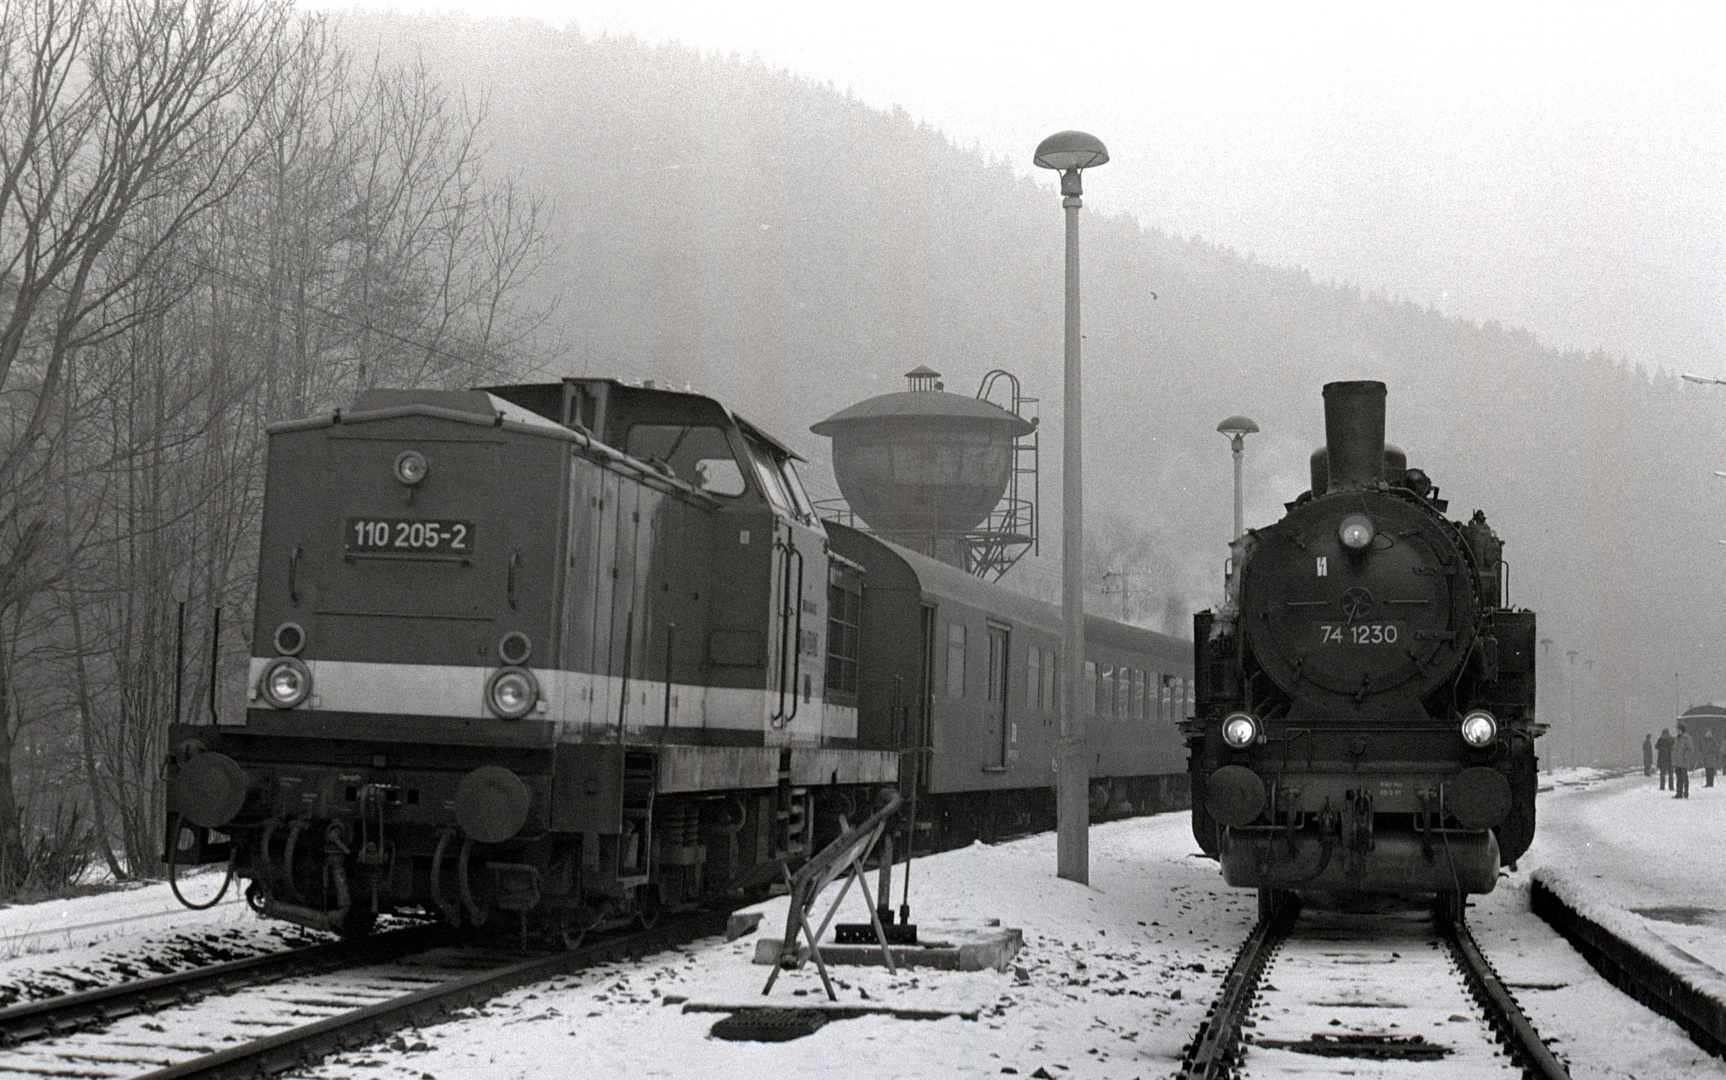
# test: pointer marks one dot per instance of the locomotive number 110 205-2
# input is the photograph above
(402, 534)
(1357, 633)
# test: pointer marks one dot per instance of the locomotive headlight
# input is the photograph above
(1355, 532)
(411, 467)
(286, 682)
(1479, 729)
(512, 693)
(1240, 730)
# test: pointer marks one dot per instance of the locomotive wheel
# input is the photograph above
(358, 923)
(1276, 902)
(1447, 907)
(647, 906)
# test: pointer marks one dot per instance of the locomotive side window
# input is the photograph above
(844, 615)
(697, 454)
(772, 482)
(955, 660)
(799, 497)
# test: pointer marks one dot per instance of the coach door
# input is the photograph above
(997, 724)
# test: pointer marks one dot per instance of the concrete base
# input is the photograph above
(948, 944)
(839, 1010)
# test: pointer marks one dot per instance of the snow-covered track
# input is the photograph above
(304, 1017)
(72, 1012)
(312, 1042)
(1384, 990)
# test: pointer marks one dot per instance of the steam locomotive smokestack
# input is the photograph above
(1354, 433)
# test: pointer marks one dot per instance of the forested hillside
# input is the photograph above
(776, 242)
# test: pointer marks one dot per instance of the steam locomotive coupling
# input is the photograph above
(581, 652)
(1365, 719)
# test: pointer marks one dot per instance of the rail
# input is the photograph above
(66, 1013)
(303, 1046)
(1215, 1050)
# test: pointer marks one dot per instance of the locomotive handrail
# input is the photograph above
(790, 608)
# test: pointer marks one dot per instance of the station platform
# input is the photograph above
(1632, 876)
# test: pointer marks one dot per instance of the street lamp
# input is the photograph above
(1237, 428)
(1070, 152)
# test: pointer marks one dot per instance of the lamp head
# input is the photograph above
(1236, 426)
(1070, 150)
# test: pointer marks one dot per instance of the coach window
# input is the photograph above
(697, 454)
(1052, 679)
(1089, 690)
(1034, 677)
(955, 660)
(844, 607)
(1138, 706)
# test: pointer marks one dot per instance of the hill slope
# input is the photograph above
(783, 246)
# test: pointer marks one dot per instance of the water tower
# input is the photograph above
(947, 475)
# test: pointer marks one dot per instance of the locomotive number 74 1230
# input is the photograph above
(1357, 633)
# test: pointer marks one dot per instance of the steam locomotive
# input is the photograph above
(1365, 719)
(583, 651)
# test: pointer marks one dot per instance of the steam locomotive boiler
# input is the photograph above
(1365, 719)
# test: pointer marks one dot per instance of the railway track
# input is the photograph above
(1373, 989)
(263, 1016)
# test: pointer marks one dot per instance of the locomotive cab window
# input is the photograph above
(697, 454)
(794, 486)
(771, 480)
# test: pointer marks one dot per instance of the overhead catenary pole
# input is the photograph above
(1069, 152)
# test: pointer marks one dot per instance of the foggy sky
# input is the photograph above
(1562, 169)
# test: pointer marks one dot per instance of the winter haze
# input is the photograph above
(1511, 219)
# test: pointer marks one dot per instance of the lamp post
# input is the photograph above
(1237, 428)
(1070, 152)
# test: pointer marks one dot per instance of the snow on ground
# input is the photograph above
(1615, 833)
(59, 946)
(1112, 981)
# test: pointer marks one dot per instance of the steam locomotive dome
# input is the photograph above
(923, 460)
(1362, 598)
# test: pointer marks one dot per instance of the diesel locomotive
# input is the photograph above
(581, 652)
(1365, 719)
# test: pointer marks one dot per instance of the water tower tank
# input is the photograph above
(923, 464)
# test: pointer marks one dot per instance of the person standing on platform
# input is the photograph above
(1663, 758)
(1710, 757)
(1683, 760)
(1648, 754)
